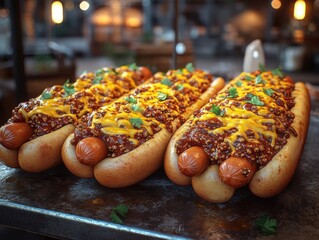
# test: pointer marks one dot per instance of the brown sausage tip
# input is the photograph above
(193, 161)
(236, 172)
(13, 135)
(90, 151)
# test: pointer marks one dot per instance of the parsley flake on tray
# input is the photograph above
(267, 225)
(118, 213)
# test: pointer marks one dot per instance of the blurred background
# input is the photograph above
(43, 43)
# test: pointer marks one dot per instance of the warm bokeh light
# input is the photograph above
(133, 17)
(57, 12)
(276, 4)
(300, 10)
(102, 17)
(84, 5)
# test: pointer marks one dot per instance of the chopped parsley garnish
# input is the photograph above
(99, 71)
(136, 122)
(248, 78)
(268, 91)
(83, 73)
(190, 67)
(46, 95)
(97, 79)
(215, 109)
(259, 79)
(180, 87)
(162, 96)
(239, 83)
(266, 225)
(136, 108)
(133, 67)
(180, 71)
(118, 213)
(166, 82)
(68, 88)
(130, 100)
(262, 67)
(232, 92)
(278, 72)
(256, 101)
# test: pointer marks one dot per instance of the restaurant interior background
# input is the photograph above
(61, 39)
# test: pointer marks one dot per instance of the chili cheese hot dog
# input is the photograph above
(32, 138)
(252, 134)
(124, 142)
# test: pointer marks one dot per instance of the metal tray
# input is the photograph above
(56, 203)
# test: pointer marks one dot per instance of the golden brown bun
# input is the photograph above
(9, 157)
(275, 176)
(44, 152)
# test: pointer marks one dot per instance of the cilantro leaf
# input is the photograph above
(267, 225)
(180, 87)
(256, 101)
(166, 82)
(46, 95)
(190, 67)
(259, 79)
(215, 109)
(136, 108)
(248, 78)
(130, 99)
(239, 83)
(136, 122)
(232, 92)
(262, 67)
(83, 73)
(133, 67)
(97, 79)
(68, 88)
(119, 212)
(99, 71)
(162, 96)
(278, 72)
(268, 91)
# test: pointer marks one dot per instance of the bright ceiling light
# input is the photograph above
(300, 10)
(84, 5)
(57, 12)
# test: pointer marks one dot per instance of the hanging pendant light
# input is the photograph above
(300, 9)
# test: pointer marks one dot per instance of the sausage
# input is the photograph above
(90, 151)
(236, 172)
(13, 135)
(223, 176)
(138, 163)
(193, 161)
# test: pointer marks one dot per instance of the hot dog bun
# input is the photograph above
(270, 179)
(135, 165)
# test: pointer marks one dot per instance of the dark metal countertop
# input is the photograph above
(56, 203)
